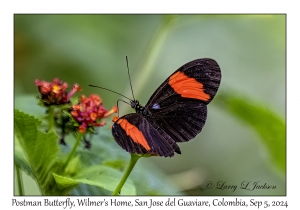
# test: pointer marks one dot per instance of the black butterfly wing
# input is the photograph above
(136, 134)
(178, 106)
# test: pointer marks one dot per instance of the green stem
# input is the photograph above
(74, 149)
(51, 118)
(19, 179)
(133, 159)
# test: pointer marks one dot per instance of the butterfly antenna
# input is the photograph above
(110, 91)
(129, 78)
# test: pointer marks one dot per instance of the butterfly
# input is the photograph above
(176, 111)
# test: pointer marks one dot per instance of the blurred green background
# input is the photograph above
(244, 136)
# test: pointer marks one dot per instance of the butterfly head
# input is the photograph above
(134, 104)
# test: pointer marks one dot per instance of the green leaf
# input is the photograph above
(101, 176)
(105, 177)
(64, 182)
(88, 158)
(117, 164)
(265, 122)
(21, 159)
(40, 148)
(73, 167)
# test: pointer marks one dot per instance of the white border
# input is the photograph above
(8, 8)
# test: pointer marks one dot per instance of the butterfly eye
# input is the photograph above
(156, 106)
(133, 104)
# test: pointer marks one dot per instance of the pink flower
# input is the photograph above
(55, 93)
(89, 112)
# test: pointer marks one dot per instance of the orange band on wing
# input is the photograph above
(132, 131)
(188, 87)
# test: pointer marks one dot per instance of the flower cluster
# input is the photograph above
(89, 111)
(82, 115)
(55, 93)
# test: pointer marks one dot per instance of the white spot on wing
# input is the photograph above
(156, 106)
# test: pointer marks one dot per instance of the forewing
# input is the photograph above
(205, 71)
(178, 106)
